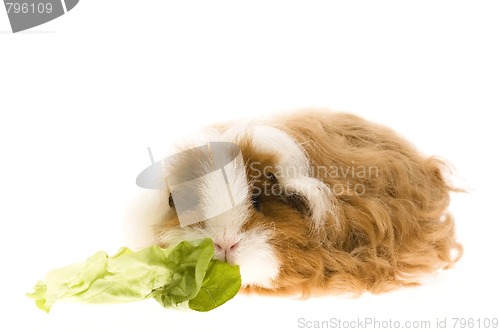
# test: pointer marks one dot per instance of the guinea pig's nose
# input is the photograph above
(225, 248)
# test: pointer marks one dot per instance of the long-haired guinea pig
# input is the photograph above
(324, 202)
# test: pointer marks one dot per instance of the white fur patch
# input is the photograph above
(145, 212)
(257, 260)
(254, 255)
(292, 159)
(173, 236)
(293, 171)
(225, 195)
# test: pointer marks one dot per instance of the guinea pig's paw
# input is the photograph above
(259, 265)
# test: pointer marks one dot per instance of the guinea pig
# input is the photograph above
(327, 202)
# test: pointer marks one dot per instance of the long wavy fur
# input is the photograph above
(390, 223)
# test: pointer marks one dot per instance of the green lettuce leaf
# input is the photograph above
(182, 274)
(221, 281)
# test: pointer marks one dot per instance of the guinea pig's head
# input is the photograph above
(250, 191)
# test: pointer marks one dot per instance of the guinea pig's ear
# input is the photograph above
(309, 196)
(298, 202)
(292, 172)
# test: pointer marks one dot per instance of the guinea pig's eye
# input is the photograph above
(171, 201)
(271, 177)
(256, 202)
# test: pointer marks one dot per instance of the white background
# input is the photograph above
(83, 96)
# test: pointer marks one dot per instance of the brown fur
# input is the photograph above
(388, 236)
(383, 238)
